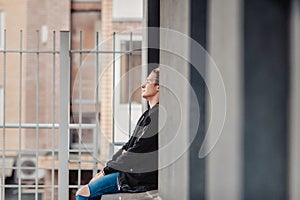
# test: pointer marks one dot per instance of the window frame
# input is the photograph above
(119, 39)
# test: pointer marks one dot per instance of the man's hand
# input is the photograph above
(97, 176)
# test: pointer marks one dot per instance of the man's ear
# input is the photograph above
(157, 88)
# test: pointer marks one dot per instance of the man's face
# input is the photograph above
(149, 88)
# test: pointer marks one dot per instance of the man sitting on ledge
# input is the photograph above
(134, 168)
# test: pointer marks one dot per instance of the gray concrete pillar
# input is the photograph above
(294, 172)
(182, 99)
(173, 174)
(224, 175)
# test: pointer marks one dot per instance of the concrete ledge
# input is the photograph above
(150, 195)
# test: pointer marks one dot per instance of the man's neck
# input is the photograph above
(152, 102)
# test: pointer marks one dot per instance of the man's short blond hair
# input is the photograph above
(156, 71)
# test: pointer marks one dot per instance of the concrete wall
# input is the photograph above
(173, 178)
(224, 181)
(183, 63)
(294, 159)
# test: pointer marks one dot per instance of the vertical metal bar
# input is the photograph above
(80, 109)
(64, 111)
(4, 118)
(53, 119)
(129, 83)
(20, 119)
(95, 132)
(113, 102)
(37, 112)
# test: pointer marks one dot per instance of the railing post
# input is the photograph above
(64, 113)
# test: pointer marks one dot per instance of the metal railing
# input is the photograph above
(41, 146)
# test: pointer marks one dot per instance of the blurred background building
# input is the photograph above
(253, 43)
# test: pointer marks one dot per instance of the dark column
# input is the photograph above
(198, 20)
(266, 60)
(153, 34)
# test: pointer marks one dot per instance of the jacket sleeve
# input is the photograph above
(139, 158)
(142, 155)
(108, 170)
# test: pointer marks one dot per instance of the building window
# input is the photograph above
(87, 134)
(128, 79)
(129, 10)
(2, 27)
(130, 73)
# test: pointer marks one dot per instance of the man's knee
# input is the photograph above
(84, 191)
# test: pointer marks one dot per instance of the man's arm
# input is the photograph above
(107, 170)
(142, 155)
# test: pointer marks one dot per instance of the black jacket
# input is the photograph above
(137, 160)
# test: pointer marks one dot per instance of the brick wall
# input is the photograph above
(15, 12)
(56, 16)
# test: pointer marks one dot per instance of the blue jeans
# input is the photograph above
(106, 185)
